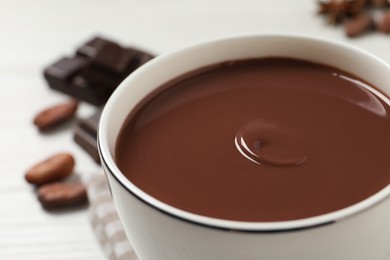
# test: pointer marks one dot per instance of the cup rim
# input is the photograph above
(241, 226)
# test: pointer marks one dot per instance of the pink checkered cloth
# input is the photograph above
(105, 222)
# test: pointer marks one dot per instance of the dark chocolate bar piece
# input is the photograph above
(144, 57)
(85, 134)
(78, 87)
(65, 68)
(92, 47)
(95, 71)
(113, 58)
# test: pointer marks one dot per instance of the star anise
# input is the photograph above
(338, 10)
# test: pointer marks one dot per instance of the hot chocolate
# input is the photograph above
(269, 139)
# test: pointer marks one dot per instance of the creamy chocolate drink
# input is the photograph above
(270, 139)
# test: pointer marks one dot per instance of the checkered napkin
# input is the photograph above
(105, 222)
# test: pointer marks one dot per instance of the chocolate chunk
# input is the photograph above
(95, 71)
(143, 57)
(65, 68)
(79, 88)
(103, 79)
(85, 134)
(92, 47)
(113, 58)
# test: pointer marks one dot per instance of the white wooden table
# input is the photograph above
(33, 33)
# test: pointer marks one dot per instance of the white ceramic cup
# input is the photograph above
(161, 232)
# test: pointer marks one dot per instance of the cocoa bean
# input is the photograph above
(55, 115)
(52, 169)
(59, 195)
(383, 22)
(359, 25)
